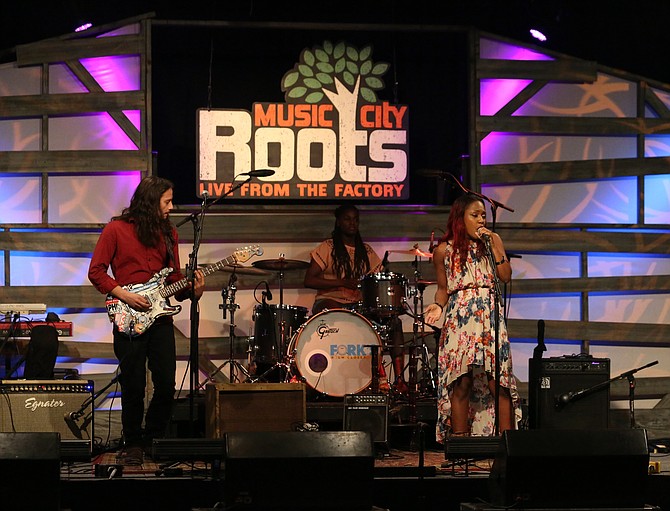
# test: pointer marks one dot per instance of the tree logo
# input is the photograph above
(332, 138)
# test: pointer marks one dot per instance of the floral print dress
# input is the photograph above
(467, 342)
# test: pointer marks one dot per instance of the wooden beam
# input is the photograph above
(560, 70)
(55, 50)
(89, 162)
(614, 334)
(64, 104)
(566, 171)
(588, 126)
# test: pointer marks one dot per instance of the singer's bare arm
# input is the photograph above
(503, 266)
(434, 311)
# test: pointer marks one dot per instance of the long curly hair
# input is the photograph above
(143, 211)
(456, 232)
(341, 259)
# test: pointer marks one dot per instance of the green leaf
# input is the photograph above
(290, 79)
(352, 53)
(328, 47)
(366, 67)
(322, 55)
(368, 95)
(380, 68)
(352, 67)
(308, 58)
(312, 83)
(324, 78)
(325, 67)
(366, 52)
(305, 70)
(340, 65)
(314, 97)
(373, 82)
(297, 92)
(339, 50)
(349, 78)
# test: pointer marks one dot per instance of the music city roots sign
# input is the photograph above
(332, 138)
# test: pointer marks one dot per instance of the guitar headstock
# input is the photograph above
(242, 255)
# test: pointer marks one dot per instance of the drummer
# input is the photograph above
(336, 268)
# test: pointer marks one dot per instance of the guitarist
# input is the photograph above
(136, 245)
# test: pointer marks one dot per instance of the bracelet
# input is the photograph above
(440, 306)
(502, 261)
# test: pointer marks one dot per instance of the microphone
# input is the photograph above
(258, 173)
(484, 236)
(72, 424)
(563, 399)
(268, 294)
(433, 173)
(431, 247)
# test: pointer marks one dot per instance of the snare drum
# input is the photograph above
(267, 329)
(383, 293)
(333, 352)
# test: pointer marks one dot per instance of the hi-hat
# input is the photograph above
(415, 251)
(241, 270)
(281, 264)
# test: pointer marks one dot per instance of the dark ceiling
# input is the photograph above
(632, 36)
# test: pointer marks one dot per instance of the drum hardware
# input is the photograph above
(281, 265)
(228, 304)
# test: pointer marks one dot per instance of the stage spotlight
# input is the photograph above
(538, 34)
(83, 26)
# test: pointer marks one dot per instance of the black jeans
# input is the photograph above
(156, 350)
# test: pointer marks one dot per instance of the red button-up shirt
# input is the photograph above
(131, 262)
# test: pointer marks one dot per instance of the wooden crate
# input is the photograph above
(235, 407)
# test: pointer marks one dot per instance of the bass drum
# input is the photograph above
(333, 352)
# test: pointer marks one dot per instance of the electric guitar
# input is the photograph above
(134, 323)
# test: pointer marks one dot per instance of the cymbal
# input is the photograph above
(241, 270)
(415, 251)
(425, 282)
(280, 264)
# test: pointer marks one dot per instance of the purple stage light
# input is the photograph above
(83, 26)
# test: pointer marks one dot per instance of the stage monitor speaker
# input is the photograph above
(34, 406)
(30, 468)
(367, 412)
(312, 470)
(232, 407)
(571, 469)
(555, 397)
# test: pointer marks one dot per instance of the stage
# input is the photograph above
(409, 473)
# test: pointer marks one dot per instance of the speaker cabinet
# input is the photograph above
(367, 412)
(42, 406)
(571, 469)
(561, 393)
(313, 470)
(253, 407)
(30, 468)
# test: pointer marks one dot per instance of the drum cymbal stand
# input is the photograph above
(228, 304)
(428, 384)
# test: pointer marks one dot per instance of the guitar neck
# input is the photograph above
(175, 287)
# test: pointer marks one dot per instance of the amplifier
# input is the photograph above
(46, 406)
(568, 393)
(367, 412)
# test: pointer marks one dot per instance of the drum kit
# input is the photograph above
(335, 351)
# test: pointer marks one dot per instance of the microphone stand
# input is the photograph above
(72, 417)
(197, 219)
(564, 399)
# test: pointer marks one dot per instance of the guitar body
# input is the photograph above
(134, 323)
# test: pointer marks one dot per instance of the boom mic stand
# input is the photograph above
(72, 418)
(197, 219)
